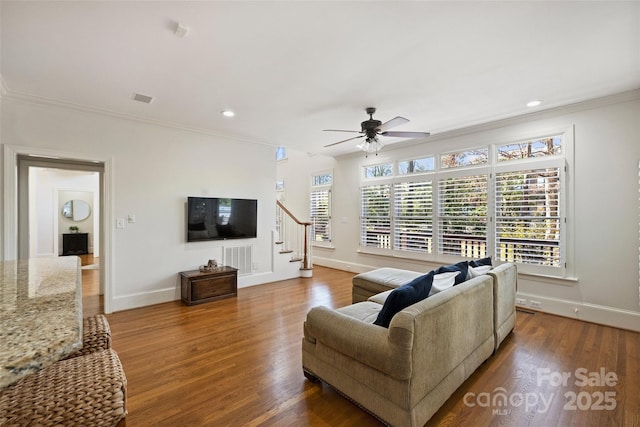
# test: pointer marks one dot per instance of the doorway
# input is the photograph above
(60, 205)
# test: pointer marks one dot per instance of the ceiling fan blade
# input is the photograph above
(345, 140)
(399, 134)
(392, 123)
(341, 130)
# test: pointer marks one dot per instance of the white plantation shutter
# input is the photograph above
(376, 216)
(462, 215)
(413, 216)
(320, 210)
(528, 217)
(506, 200)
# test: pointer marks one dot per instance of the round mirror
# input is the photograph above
(76, 210)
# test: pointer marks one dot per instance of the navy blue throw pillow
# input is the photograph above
(479, 262)
(462, 267)
(404, 296)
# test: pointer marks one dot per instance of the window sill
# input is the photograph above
(422, 257)
(322, 246)
(543, 278)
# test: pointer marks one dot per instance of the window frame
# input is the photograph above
(461, 172)
(315, 188)
(563, 160)
(534, 164)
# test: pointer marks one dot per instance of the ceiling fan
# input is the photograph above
(372, 129)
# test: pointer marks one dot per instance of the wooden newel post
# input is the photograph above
(306, 260)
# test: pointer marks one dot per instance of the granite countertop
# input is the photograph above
(40, 314)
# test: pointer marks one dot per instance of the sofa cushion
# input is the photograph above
(381, 297)
(479, 262)
(382, 279)
(404, 296)
(478, 271)
(441, 282)
(365, 311)
(478, 267)
(461, 267)
(444, 281)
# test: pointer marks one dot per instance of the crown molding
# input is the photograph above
(36, 99)
(575, 107)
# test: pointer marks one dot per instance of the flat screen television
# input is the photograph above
(215, 218)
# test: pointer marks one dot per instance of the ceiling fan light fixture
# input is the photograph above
(372, 128)
(370, 145)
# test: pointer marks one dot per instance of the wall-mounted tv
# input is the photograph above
(214, 218)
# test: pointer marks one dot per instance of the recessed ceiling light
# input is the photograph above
(181, 30)
(228, 113)
(534, 103)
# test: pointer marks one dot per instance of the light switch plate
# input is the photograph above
(120, 223)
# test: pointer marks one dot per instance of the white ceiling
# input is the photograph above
(290, 69)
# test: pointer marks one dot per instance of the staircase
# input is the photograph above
(293, 238)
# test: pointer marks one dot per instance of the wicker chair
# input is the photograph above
(96, 336)
(84, 391)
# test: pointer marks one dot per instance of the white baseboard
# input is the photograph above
(126, 302)
(341, 265)
(594, 313)
(130, 301)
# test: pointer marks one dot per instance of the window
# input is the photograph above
(506, 201)
(413, 213)
(320, 207)
(281, 153)
(462, 218)
(376, 216)
(528, 216)
(322, 179)
(378, 171)
(528, 149)
(464, 158)
(424, 164)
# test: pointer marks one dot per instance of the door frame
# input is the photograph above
(10, 224)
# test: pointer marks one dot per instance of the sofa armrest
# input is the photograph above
(505, 283)
(367, 343)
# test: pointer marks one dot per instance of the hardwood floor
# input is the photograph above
(237, 362)
(92, 301)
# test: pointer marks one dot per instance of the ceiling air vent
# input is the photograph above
(142, 98)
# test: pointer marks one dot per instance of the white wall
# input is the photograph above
(604, 177)
(155, 168)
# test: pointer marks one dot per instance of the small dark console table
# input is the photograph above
(75, 243)
(198, 287)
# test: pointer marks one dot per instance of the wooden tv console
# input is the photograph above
(199, 287)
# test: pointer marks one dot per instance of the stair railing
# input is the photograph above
(294, 236)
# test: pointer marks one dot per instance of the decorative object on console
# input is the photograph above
(212, 265)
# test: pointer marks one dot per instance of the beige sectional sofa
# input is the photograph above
(403, 374)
